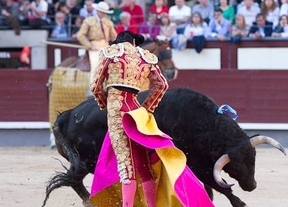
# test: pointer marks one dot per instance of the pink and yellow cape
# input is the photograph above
(177, 185)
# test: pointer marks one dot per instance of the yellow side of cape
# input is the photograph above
(166, 170)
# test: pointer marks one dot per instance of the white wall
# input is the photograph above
(266, 58)
(209, 59)
(31, 38)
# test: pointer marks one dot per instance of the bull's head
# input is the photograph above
(242, 163)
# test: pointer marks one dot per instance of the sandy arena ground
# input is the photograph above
(25, 170)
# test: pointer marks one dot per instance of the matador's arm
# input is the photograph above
(160, 86)
(97, 85)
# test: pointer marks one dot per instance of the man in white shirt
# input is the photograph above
(39, 8)
(249, 11)
(180, 14)
(38, 13)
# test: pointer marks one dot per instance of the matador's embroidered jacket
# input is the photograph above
(125, 65)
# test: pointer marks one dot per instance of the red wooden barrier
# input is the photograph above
(258, 96)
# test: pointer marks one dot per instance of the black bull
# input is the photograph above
(189, 117)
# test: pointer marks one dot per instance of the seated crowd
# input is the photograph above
(194, 20)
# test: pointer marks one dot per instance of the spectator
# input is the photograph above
(228, 11)
(270, 9)
(134, 9)
(88, 9)
(219, 26)
(284, 8)
(205, 8)
(68, 5)
(126, 23)
(191, 3)
(180, 14)
(51, 8)
(38, 16)
(240, 29)
(249, 11)
(62, 7)
(73, 8)
(23, 12)
(198, 31)
(159, 7)
(59, 29)
(10, 11)
(261, 28)
(78, 22)
(281, 30)
(197, 27)
(150, 28)
(115, 16)
(167, 28)
(241, 3)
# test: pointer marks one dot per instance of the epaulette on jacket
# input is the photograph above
(115, 50)
(90, 21)
(148, 56)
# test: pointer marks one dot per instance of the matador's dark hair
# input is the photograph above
(128, 36)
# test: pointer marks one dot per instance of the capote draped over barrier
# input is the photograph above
(177, 185)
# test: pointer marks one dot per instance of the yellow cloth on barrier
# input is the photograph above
(69, 88)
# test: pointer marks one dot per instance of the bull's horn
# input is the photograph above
(221, 162)
(267, 140)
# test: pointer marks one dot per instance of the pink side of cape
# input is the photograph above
(188, 189)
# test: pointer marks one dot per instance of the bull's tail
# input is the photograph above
(73, 175)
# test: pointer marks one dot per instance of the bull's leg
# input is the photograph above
(208, 180)
(70, 178)
(76, 173)
(76, 182)
(80, 189)
(234, 200)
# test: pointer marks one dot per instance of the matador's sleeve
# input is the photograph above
(82, 35)
(97, 85)
(160, 86)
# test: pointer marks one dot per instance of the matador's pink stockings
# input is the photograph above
(128, 193)
(149, 189)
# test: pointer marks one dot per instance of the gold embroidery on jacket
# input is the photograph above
(113, 51)
(148, 56)
(128, 70)
(118, 137)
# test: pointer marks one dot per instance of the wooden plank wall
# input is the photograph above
(23, 95)
(258, 96)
